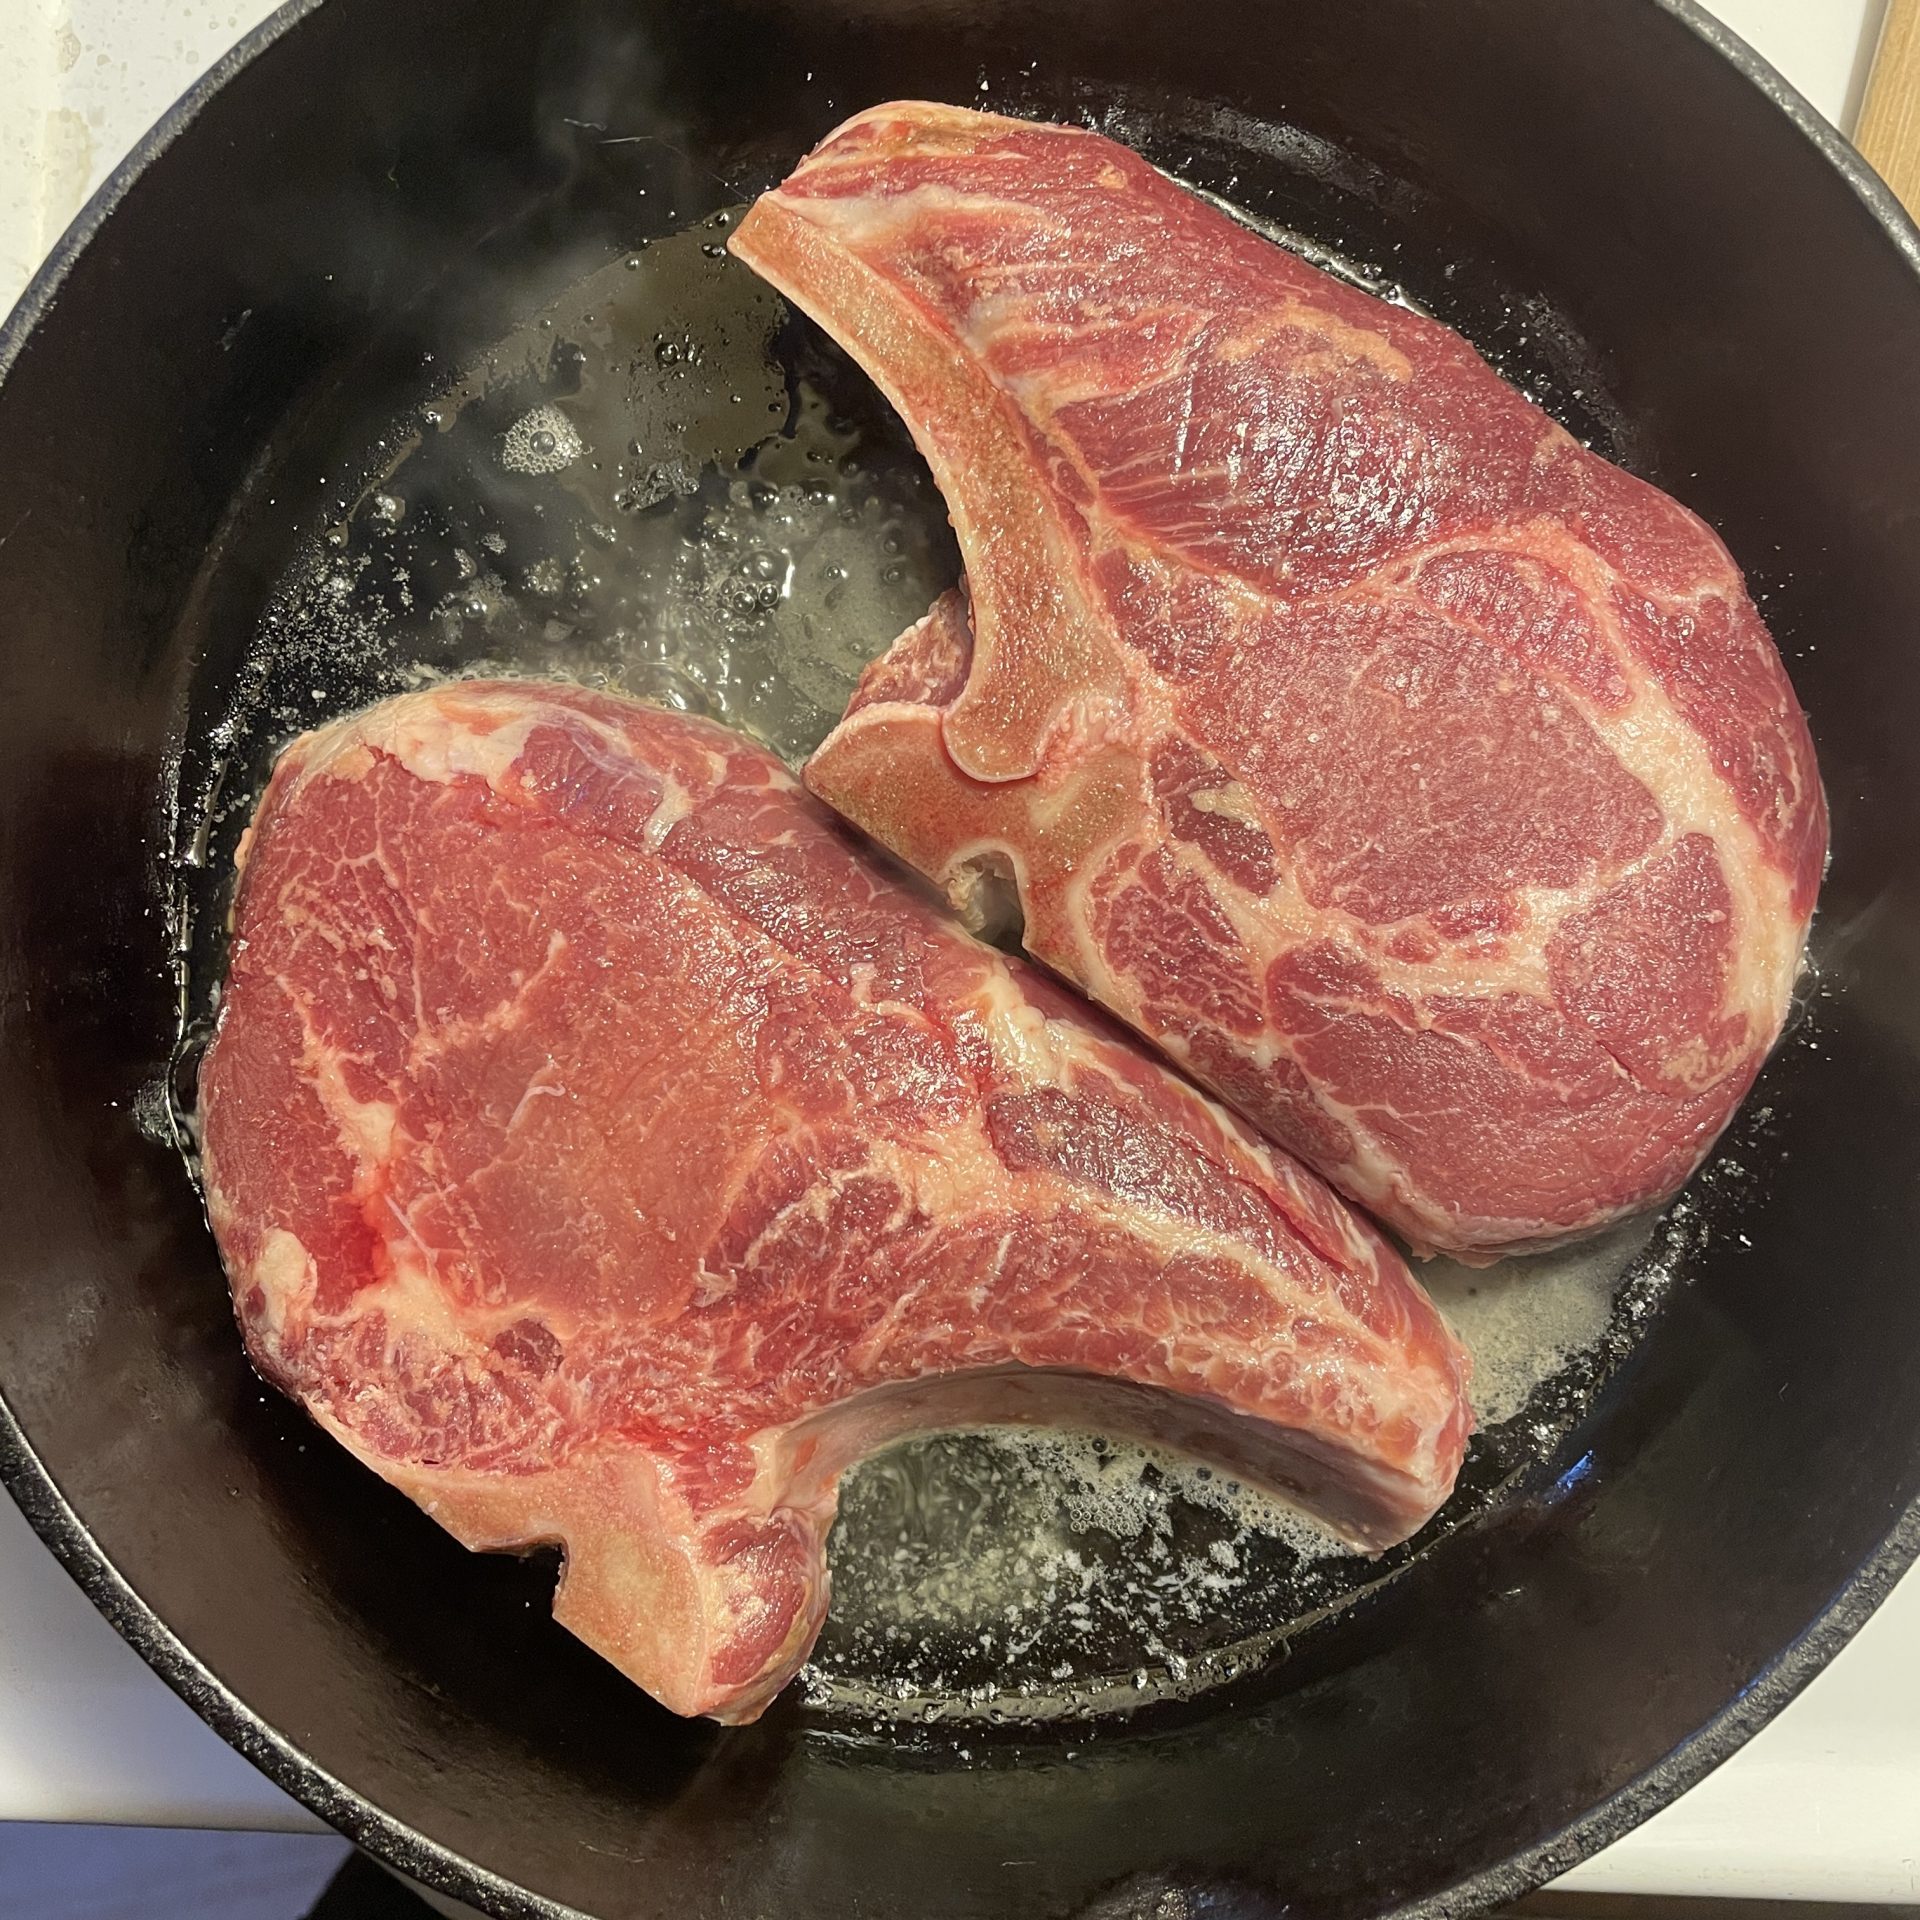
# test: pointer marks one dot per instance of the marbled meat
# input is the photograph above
(608, 1152)
(1423, 783)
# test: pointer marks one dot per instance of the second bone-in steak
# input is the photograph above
(1423, 782)
(609, 1154)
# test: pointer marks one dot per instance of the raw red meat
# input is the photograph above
(607, 1153)
(1424, 784)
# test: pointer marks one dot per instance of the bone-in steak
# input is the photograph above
(609, 1154)
(1421, 781)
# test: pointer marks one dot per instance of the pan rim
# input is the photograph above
(32, 1486)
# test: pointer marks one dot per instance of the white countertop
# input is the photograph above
(1823, 1804)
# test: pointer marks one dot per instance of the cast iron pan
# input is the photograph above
(1618, 203)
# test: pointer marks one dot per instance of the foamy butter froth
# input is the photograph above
(1024, 1574)
(1530, 1318)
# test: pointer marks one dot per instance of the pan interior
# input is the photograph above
(654, 478)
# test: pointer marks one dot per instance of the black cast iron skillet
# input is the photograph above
(1615, 199)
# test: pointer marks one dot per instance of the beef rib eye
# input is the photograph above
(608, 1153)
(1421, 782)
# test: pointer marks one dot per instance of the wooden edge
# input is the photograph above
(1889, 131)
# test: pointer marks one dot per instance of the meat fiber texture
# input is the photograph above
(1421, 782)
(608, 1153)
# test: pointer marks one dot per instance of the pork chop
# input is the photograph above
(608, 1153)
(1421, 782)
